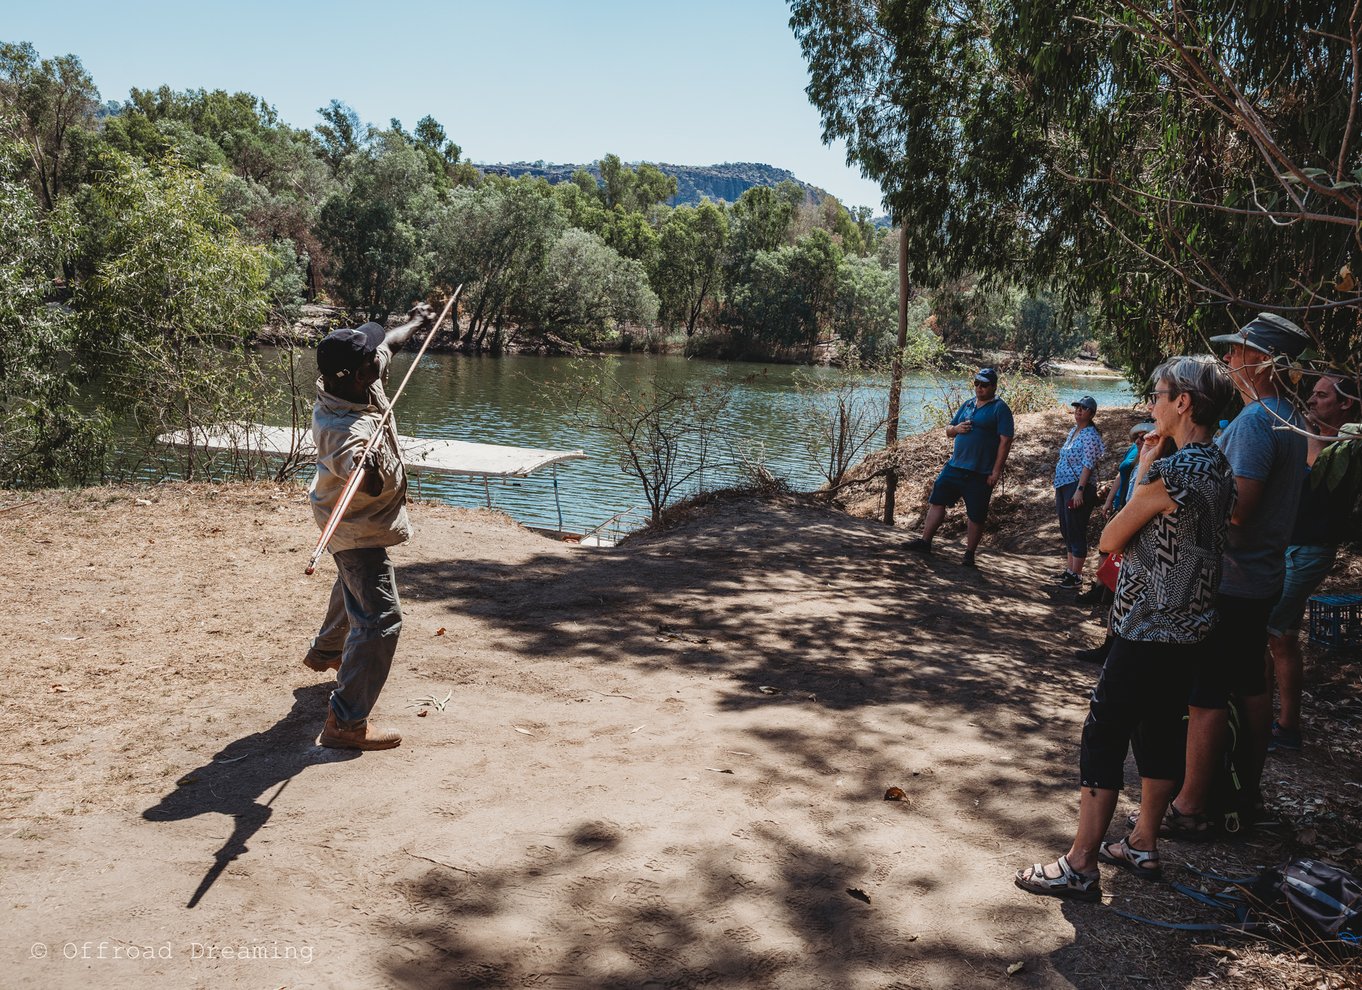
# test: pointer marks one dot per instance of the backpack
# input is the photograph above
(1308, 901)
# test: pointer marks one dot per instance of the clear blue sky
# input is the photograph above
(691, 83)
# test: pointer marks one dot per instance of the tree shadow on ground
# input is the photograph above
(240, 774)
(792, 609)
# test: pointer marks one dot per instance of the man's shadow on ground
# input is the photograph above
(238, 776)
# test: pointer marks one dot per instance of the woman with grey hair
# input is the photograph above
(1172, 531)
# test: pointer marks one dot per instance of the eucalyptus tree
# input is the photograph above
(585, 290)
(340, 134)
(690, 257)
(494, 239)
(758, 221)
(45, 438)
(171, 297)
(46, 105)
(1183, 165)
(373, 227)
(632, 189)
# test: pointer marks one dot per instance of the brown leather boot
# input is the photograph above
(321, 662)
(365, 737)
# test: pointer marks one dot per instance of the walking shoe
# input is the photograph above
(321, 660)
(1093, 596)
(1070, 580)
(968, 559)
(918, 545)
(1287, 740)
(365, 737)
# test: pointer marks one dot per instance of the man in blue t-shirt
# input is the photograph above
(1266, 449)
(982, 430)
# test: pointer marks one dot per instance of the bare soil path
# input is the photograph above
(662, 765)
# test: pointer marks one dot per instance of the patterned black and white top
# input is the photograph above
(1171, 570)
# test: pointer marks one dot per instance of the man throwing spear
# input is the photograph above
(359, 634)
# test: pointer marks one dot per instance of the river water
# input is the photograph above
(519, 400)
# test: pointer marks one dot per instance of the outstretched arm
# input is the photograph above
(420, 315)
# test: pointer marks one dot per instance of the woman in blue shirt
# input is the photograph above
(1075, 489)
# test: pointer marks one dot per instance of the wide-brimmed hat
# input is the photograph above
(1140, 429)
(345, 349)
(1269, 334)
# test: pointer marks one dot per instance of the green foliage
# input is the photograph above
(169, 300)
(340, 133)
(759, 221)
(285, 282)
(970, 314)
(1339, 465)
(44, 438)
(586, 289)
(495, 241)
(689, 263)
(865, 310)
(1182, 167)
(631, 190)
(44, 106)
(1043, 332)
(373, 227)
(631, 235)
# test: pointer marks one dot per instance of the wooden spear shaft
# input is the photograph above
(352, 482)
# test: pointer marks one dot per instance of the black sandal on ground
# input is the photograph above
(1143, 863)
(1070, 883)
(1175, 825)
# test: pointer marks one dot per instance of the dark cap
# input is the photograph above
(1270, 334)
(343, 350)
(1087, 402)
(987, 376)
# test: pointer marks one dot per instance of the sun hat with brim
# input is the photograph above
(345, 349)
(1087, 402)
(1140, 429)
(1270, 334)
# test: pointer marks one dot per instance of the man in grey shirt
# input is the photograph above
(1266, 450)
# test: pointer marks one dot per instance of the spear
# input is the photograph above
(352, 483)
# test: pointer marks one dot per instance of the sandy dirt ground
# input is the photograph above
(661, 765)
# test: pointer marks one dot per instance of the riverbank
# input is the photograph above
(316, 320)
(661, 764)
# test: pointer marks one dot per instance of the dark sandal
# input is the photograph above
(1176, 825)
(1144, 864)
(1069, 884)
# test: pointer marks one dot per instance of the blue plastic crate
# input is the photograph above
(1336, 620)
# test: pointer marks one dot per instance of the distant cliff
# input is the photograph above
(693, 182)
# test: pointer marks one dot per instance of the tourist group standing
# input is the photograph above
(1206, 583)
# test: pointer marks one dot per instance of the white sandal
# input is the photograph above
(1070, 883)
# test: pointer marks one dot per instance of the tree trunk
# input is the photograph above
(891, 432)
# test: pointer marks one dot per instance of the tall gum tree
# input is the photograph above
(1182, 165)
